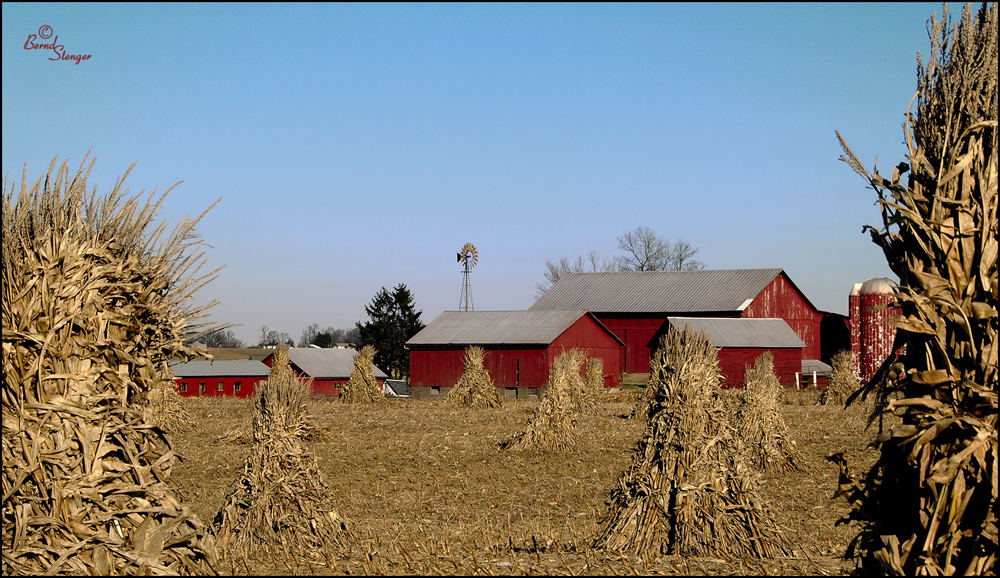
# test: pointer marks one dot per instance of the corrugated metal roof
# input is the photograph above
(221, 368)
(811, 365)
(657, 291)
(327, 363)
(741, 332)
(496, 327)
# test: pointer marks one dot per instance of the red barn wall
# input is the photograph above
(595, 341)
(636, 332)
(214, 383)
(780, 299)
(733, 361)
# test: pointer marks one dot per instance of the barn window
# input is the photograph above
(236, 386)
(220, 387)
(517, 372)
(184, 386)
(201, 388)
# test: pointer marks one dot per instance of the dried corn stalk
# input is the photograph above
(361, 386)
(93, 308)
(552, 426)
(475, 386)
(688, 491)
(929, 504)
(843, 382)
(592, 386)
(275, 511)
(760, 424)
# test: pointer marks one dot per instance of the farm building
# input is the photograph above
(519, 345)
(635, 305)
(740, 341)
(871, 333)
(232, 377)
(329, 368)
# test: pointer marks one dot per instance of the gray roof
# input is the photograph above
(221, 368)
(327, 363)
(811, 365)
(496, 327)
(742, 332)
(657, 291)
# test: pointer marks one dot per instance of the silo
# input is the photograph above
(877, 334)
(854, 321)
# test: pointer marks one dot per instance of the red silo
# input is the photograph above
(854, 317)
(877, 334)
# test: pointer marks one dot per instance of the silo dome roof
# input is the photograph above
(878, 285)
(856, 289)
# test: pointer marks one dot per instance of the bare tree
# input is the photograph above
(555, 271)
(681, 257)
(221, 338)
(644, 251)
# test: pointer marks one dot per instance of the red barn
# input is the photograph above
(520, 347)
(740, 342)
(635, 305)
(329, 369)
(232, 377)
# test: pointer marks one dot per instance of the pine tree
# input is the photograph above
(393, 319)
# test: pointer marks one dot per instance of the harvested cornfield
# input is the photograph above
(475, 386)
(842, 383)
(929, 504)
(688, 490)
(361, 386)
(94, 305)
(552, 427)
(278, 508)
(759, 423)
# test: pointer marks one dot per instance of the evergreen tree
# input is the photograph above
(393, 320)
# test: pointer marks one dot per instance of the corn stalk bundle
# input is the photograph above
(760, 424)
(843, 382)
(687, 490)
(475, 386)
(164, 407)
(552, 426)
(93, 307)
(592, 388)
(275, 509)
(361, 386)
(928, 506)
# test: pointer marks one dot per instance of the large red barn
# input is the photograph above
(520, 347)
(329, 368)
(636, 304)
(739, 342)
(219, 377)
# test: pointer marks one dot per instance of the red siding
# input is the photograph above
(636, 332)
(191, 386)
(734, 362)
(781, 299)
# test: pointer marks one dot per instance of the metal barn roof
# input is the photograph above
(657, 291)
(496, 327)
(740, 332)
(221, 368)
(326, 363)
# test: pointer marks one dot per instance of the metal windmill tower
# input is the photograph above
(469, 258)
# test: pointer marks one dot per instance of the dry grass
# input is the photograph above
(430, 493)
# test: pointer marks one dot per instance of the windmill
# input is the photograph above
(469, 258)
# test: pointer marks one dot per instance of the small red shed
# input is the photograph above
(520, 347)
(329, 368)
(219, 377)
(741, 341)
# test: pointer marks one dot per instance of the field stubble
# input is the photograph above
(427, 490)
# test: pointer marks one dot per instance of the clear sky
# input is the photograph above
(359, 146)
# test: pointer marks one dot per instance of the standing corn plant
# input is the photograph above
(95, 303)
(928, 506)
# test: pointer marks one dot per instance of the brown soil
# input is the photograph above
(426, 489)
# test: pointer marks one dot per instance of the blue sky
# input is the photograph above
(359, 146)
